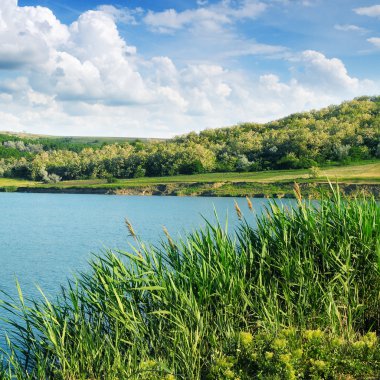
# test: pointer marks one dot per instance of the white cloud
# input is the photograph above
(374, 41)
(174, 97)
(97, 62)
(322, 72)
(212, 30)
(350, 28)
(27, 34)
(238, 47)
(210, 17)
(372, 11)
(121, 15)
(86, 79)
(87, 60)
(304, 3)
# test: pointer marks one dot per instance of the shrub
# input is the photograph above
(314, 172)
(111, 179)
(193, 167)
(291, 354)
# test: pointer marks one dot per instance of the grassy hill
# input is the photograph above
(71, 143)
(79, 139)
(345, 134)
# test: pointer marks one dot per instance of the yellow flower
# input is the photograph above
(148, 364)
(170, 377)
(224, 362)
(246, 338)
(289, 331)
(313, 334)
(319, 365)
(336, 342)
(285, 358)
(279, 344)
(269, 355)
(298, 353)
(290, 372)
(370, 339)
(229, 374)
(292, 375)
(359, 345)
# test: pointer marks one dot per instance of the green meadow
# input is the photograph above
(361, 172)
(267, 183)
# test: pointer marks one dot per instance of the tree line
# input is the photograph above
(336, 134)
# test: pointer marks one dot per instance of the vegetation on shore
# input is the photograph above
(340, 134)
(294, 295)
(354, 179)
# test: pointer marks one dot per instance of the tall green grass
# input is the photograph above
(167, 311)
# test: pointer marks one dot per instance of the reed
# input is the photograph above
(164, 312)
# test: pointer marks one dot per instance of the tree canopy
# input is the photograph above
(336, 134)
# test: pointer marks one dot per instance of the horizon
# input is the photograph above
(137, 68)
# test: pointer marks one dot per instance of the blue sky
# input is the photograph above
(162, 68)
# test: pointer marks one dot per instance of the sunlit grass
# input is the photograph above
(365, 172)
(16, 182)
(359, 173)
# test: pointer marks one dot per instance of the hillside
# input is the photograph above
(341, 134)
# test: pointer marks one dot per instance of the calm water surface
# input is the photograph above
(45, 238)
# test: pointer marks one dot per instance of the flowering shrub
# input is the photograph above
(153, 370)
(292, 354)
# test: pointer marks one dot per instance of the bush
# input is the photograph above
(291, 354)
(314, 172)
(49, 178)
(111, 179)
(194, 167)
(243, 164)
(139, 172)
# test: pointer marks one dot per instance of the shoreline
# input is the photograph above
(208, 189)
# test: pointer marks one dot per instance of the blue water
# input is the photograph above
(46, 238)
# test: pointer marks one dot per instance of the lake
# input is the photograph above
(45, 238)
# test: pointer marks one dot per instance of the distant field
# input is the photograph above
(368, 173)
(5, 182)
(80, 139)
(355, 173)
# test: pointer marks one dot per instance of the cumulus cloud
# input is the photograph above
(27, 34)
(328, 74)
(372, 11)
(316, 81)
(86, 60)
(85, 78)
(97, 63)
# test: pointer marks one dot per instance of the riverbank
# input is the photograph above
(353, 180)
(220, 189)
